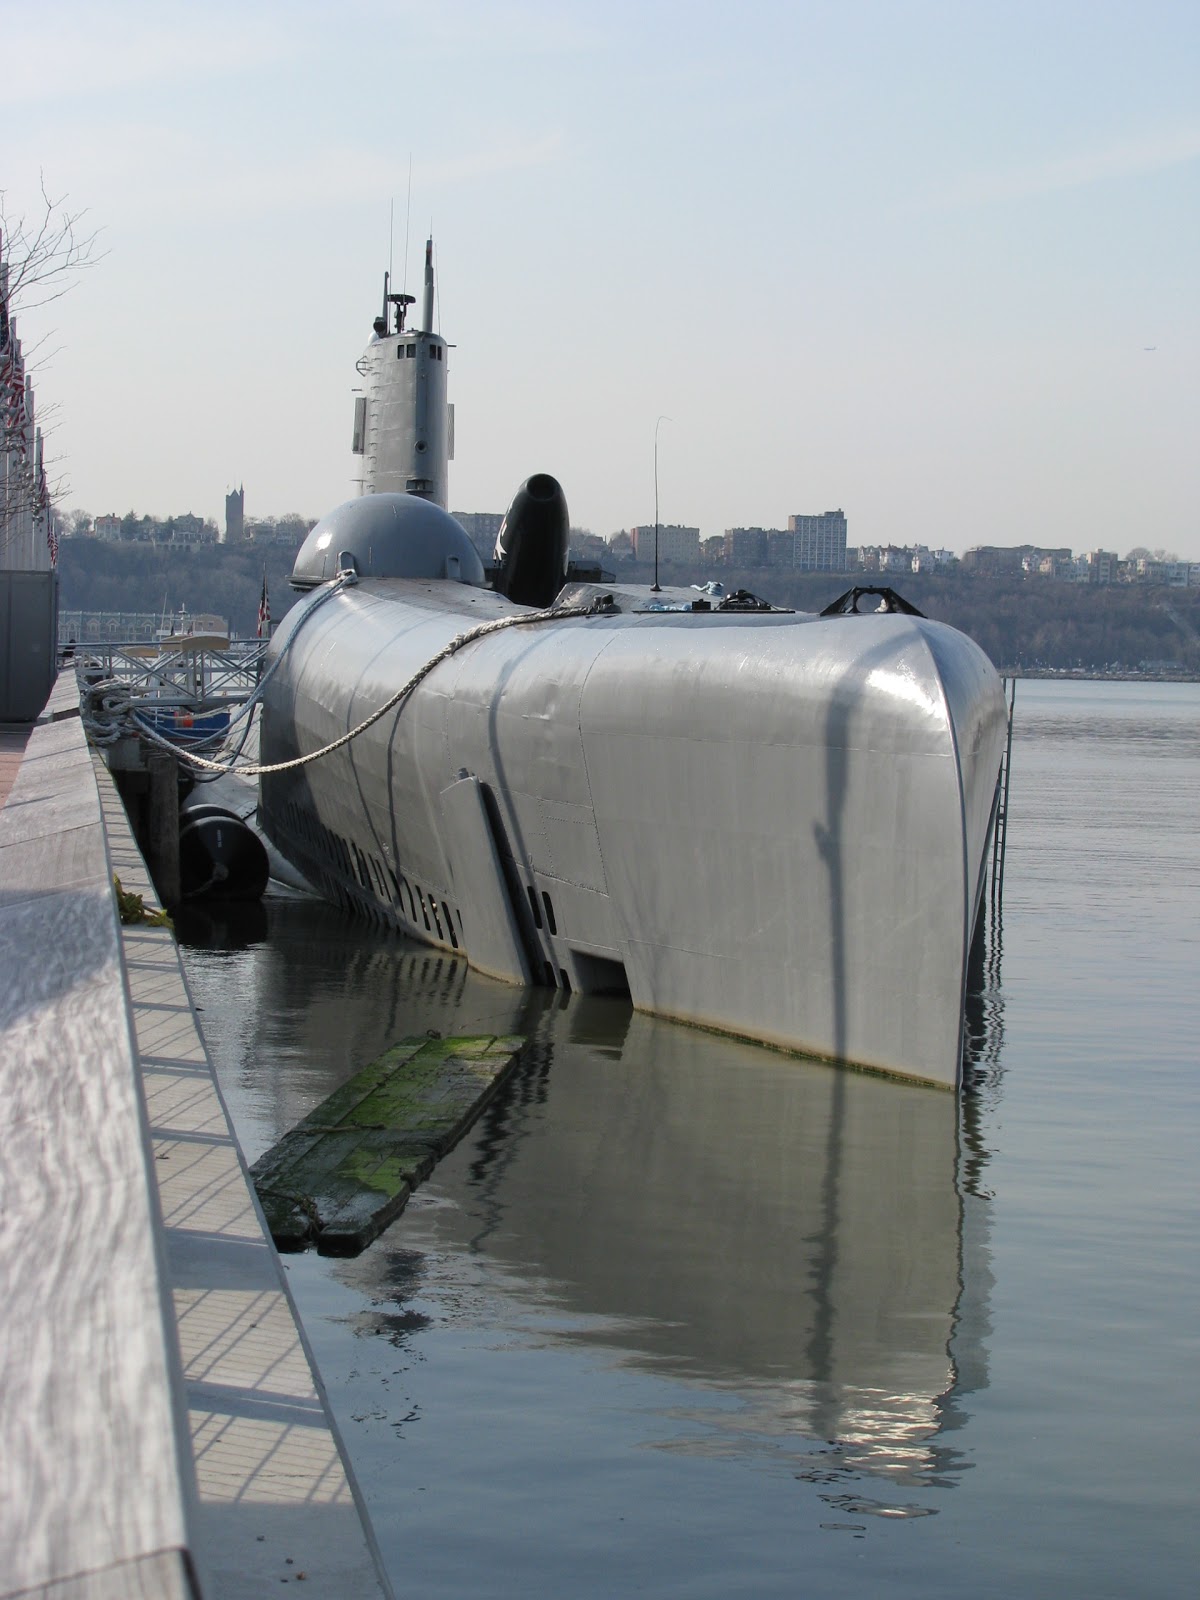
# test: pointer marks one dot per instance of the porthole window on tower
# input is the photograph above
(411, 348)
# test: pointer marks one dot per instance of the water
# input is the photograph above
(682, 1317)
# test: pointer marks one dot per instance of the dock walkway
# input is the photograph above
(161, 1428)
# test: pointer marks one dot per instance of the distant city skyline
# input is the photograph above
(933, 265)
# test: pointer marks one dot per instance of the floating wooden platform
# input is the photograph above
(345, 1172)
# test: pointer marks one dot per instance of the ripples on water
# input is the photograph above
(684, 1317)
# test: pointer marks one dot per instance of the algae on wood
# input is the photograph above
(345, 1172)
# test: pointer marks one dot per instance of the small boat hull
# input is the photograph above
(183, 726)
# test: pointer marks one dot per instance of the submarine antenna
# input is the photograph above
(657, 587)
(427, 307)
(407, 221)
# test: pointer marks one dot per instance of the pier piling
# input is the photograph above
(163, 826)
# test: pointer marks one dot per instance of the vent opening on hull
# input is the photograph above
(599, 975)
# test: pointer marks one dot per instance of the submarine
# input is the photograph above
(768, 823)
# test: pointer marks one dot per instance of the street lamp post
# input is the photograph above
(656, 588)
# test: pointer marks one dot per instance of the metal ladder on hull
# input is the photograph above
(1000, 832)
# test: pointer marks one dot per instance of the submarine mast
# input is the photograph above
(403, 438)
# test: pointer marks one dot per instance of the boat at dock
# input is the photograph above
(769, 823)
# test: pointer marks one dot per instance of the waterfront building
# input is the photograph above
(1176, 574)
(781, 548)
(746, 547)
(675, 543)
(28, 536)
(820, 541)
(588, 546)
(991, 560)
(481, 528)
(1097, 566)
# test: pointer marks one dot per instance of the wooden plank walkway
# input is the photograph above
(345, 1172)
(161, 1429)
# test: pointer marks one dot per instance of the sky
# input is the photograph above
(934, 264)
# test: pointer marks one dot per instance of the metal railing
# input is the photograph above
(201, 678)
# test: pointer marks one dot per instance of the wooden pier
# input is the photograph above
(162, 1432)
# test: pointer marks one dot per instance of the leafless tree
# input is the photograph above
(41, 255)
(45, 250)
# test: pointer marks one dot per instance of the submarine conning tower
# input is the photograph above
(403, 435)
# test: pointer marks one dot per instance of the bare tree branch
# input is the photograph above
(40, 260)
(45, 255)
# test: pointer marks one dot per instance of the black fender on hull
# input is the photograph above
(220, 857)
(530, 562)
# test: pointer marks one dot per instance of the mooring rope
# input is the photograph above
(110, 710)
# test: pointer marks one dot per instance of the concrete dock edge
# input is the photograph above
(162, 1428)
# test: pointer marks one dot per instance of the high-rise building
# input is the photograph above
(820, 541)
(235, 516)
(747, 547)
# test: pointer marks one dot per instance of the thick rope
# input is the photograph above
(111, 700)
(110, 710)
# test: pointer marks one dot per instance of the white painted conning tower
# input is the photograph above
(403, 426)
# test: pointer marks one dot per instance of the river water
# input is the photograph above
(683, 1317)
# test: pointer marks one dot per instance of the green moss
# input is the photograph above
(133, 909)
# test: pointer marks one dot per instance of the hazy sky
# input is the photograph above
(903, 258)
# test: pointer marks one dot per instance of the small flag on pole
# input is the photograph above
(264, 611)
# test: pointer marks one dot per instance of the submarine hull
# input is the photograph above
(770, 824)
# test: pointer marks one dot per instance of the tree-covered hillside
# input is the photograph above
(225, 579)
(1022, 623)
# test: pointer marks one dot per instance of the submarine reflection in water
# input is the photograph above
(808, 1240)
(786, 1231)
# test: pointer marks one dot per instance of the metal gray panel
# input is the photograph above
(389, 536)
(28, 642)
(490, 929)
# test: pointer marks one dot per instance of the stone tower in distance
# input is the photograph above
(235, 524)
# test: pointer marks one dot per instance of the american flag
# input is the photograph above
(13, 396)
(264, 611)
(3, 303)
